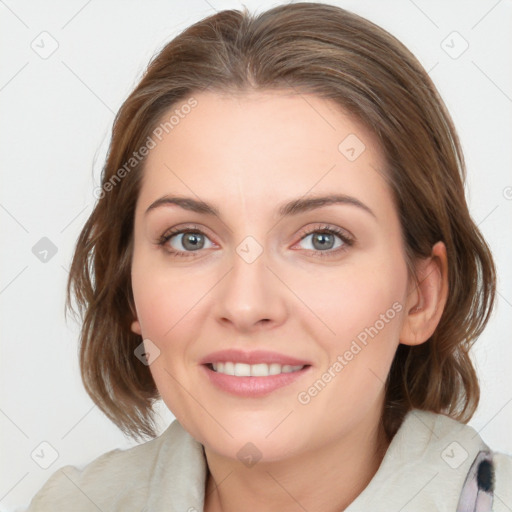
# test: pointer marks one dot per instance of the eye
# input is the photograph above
(183, 242)
(186, 241)
(323, 240)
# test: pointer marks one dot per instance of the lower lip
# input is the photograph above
(252, 386)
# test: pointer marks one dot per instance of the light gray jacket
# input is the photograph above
(433, 463)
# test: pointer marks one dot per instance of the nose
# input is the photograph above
(251, 296)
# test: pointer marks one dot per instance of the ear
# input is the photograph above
(427, 298)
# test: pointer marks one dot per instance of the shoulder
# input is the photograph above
(121, 479)
(429, 463)
(456, 448)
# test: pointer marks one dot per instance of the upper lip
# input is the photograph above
(252, 357)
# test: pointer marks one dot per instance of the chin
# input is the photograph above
(266, 441)
(254, 449)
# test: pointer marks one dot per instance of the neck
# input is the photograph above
(325, 479)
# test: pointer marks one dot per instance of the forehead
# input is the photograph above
(260, 148)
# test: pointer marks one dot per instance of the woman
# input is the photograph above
(283, 253)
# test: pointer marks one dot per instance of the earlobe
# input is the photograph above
(136, 327)
(425, 304)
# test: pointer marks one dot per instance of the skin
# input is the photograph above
(247, 154)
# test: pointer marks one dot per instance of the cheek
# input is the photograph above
(169, 315)
(365, 314)
(161, 297)
(162, 304)
(354, 298)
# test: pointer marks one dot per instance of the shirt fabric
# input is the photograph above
(433, 463)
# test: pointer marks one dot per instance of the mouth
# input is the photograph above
(253, 380)
(236, 369)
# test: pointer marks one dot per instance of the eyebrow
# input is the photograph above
(290, 208)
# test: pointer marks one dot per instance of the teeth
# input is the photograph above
(254, 370)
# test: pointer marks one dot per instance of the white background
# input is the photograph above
(56, 114)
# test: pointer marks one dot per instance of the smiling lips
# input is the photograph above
(252, 374)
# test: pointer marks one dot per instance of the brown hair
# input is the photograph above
(336, 55)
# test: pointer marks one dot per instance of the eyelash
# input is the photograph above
(325, 229)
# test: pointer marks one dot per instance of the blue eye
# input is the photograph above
(192, 240)
(324, 240)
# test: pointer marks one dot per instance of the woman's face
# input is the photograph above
(263, 273)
